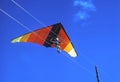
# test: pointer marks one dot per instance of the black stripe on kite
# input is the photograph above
(53, 34)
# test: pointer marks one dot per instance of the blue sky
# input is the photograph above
(93, 26)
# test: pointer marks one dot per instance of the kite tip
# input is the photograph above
(12, 41)
(16, 40)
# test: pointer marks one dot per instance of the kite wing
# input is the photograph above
(44, 36)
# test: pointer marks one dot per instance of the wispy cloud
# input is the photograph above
(84, 9)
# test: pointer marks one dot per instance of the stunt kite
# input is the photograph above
(53, 36)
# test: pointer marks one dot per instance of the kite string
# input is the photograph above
(40, 38)
(15, 19)
(28, 13)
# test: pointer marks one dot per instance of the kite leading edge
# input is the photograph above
(50, 36)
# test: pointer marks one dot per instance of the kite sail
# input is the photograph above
(45, 37)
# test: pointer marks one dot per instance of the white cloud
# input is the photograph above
(85, 7)
(81, 15)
